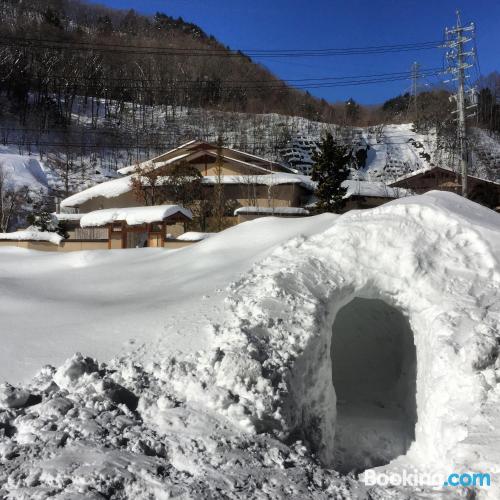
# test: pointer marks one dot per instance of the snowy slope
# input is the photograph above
(24, 171)
(250, 311)
(392, 150)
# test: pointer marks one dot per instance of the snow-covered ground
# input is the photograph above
(20, 171)
(95, 301)
(207, 371)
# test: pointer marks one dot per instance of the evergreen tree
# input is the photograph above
(330, 170)
(351, 111)
(45, 221)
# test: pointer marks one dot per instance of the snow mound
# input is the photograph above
(194, 236)
(33, 234)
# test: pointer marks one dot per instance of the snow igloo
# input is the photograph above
(377, 338)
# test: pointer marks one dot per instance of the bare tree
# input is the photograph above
(148, 184)
(12, 200)
(219, 199)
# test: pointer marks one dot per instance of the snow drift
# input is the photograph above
(420, 274)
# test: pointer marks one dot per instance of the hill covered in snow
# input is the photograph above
(382, 152)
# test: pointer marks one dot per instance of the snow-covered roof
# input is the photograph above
(68, 217)
(32, 234)
(227, 152)
(271, 210)
(194, 236)
(375, 189)
(425, 170)
(133, 216)
(109, 189)
(117, 187)
(266, 180)
(131, 168)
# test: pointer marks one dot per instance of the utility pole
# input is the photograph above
(414, 77)
(458, 63)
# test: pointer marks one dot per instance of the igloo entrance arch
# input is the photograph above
(374, 377)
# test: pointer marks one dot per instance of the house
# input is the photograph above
(483, 191)
(109, 229)
(366, 194)
(370, 194)
(136, 226)
(100, 217)
(248, 180)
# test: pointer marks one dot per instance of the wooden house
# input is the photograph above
(136, 226)
(483, 191)
(247, 179)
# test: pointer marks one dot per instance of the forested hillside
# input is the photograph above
(56, 50)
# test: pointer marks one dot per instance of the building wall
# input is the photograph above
(75, 246)
(248, 217)
(364, 202)
(66, 246)
(210, 168)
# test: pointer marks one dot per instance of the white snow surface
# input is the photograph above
(227, 387)
(32, 233)
(108, 189)
(68, 217)
(133, 216)
(194, 236)
(272, 210)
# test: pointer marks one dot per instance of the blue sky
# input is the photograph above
(313, 24)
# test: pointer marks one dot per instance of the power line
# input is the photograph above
(44, 43)
(333, 79)
(101, 85)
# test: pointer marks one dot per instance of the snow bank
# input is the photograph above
(271, 210)
(194, 236)
(32, 234)
(111, 297)
(133, 216)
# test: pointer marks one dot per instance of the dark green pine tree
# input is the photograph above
(330, 170)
